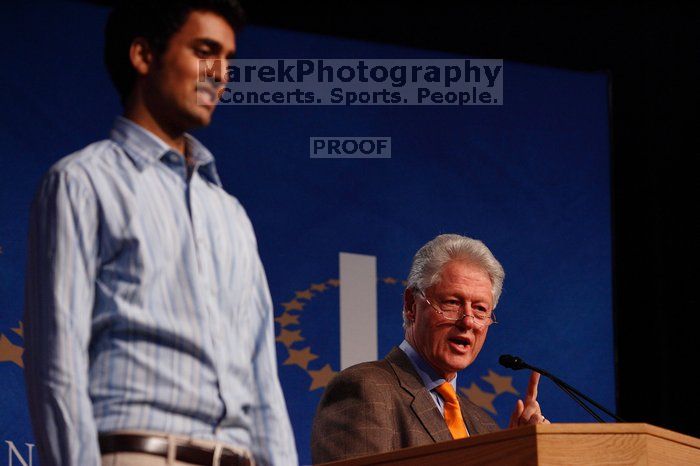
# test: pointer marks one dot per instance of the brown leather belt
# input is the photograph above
(154, 445)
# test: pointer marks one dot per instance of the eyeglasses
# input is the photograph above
(454, 310)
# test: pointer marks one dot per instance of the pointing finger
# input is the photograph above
(532, 387)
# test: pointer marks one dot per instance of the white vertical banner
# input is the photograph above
(358, 309)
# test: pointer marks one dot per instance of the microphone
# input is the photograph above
(516, 363)
(511, 362)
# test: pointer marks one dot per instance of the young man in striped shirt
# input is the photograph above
(149, 318)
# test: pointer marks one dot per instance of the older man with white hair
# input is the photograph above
(409, 398)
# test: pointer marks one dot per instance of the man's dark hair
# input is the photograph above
(156, 21)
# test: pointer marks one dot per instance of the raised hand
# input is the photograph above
(528, 411)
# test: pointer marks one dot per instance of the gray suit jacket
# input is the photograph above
(380, 406)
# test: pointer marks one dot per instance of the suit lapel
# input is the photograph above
(423, 405)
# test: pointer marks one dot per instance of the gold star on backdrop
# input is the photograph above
(287, 319)
(404, 282)
(289, 337)
(389, 280)
(293, 305)
(320, 378)
(500, 383)
(333, 282)
(480, 398)
(19, 330)
(300, 357)
(306, 294)
(318, 287)
(10, 352)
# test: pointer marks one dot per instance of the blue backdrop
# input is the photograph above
(530, 178)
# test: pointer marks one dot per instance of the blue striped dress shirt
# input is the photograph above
(147, 306)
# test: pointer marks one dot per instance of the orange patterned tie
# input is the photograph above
(453, 415)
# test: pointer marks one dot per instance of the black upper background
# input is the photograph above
(650, 50)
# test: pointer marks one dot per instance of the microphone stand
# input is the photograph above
(579, 401)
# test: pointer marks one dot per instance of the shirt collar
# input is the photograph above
(145, 148)
(427, 374)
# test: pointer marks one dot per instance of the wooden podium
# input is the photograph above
(551, 444)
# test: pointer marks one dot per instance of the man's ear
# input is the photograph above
(141, 56)
(409, 304)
